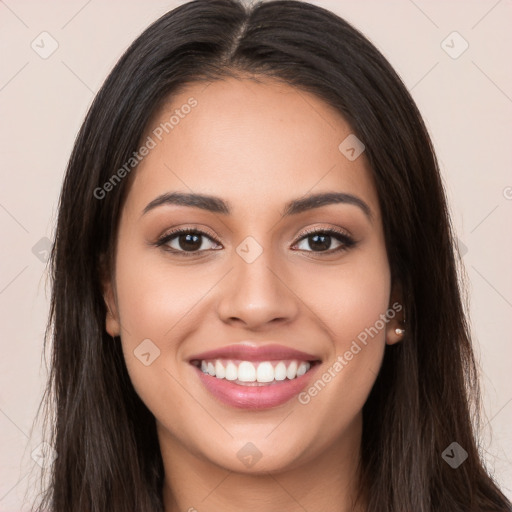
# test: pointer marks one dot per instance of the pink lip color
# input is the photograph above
(255, 397)
(252, 353)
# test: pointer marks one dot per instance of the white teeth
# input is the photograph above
(247, 371)
(291, 372)
(303, 368)
(265, 372)
(219, 370)
(231, 371)
(280, 371)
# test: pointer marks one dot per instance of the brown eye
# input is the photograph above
(186, 241)
(322, 240)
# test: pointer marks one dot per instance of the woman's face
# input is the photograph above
(257, 279)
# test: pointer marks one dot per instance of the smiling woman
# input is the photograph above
(265, 313)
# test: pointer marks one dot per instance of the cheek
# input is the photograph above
(351, 298)
(155, 296)
(352, 302)
(158, 300)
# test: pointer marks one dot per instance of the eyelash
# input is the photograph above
(346, 241)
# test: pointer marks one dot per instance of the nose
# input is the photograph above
(257, 294)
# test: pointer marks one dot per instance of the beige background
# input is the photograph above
(466, 102)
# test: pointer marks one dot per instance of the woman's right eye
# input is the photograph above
(185, 242)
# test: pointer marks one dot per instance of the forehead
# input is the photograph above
(254, 143)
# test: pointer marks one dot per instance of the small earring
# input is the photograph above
(399, 331)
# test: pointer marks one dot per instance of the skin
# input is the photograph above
(258, 146)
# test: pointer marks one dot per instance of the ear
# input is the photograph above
(396, 315)
(112, 324)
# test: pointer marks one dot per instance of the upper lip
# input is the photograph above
(271, 352)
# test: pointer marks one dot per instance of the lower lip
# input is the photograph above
(255, 397)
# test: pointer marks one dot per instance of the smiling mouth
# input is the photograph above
(254, 373)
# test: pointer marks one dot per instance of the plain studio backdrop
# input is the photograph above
(453, 57)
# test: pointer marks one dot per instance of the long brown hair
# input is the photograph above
(426, 394)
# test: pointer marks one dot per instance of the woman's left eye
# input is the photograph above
(324, 237)
(188, 242)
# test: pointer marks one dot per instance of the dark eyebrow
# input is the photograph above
(209, 203)
(217, 205)
(323, 199)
